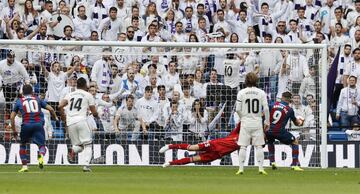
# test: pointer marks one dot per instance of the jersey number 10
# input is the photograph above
(31, 106)
(76, 105)
(253, 105)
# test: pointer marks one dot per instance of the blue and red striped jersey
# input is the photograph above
(30, 108)
(280, 114)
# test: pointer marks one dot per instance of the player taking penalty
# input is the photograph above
(213, 149)
(251, 103)
(32, 126)
(279, 117)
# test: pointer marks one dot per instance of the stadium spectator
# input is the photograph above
(174, 123)
(13, 75)
(198, 118)
(349, 101)
(111, 26)
(126, 120)
(147, 111)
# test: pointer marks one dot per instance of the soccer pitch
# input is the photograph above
(188, 180)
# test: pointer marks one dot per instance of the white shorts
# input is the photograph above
(253, 136)
(80, 133)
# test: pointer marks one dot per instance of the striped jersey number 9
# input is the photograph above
(276, 116)
(31, 106)
(228, 70)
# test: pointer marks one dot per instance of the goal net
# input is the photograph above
(203, 79)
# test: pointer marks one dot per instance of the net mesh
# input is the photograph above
(207, 77)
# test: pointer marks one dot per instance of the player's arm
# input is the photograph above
(52, 112)
(266, 113)
(93, 111)
(297, 121)
(12, 119)
(238, 105)
(62, 104)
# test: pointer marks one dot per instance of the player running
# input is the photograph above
(251, 104)
(213, 149)
(279, 117)
(32, 124)
(76, 120)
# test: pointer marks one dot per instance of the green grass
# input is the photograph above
(187, 180)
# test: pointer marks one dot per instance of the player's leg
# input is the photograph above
(39, 139)
(86, 141)
(203, 158)
(75, 142)
(295, 165)
(271, 148)
(25, 135)
(258, 142)
(243, 142)
(288, 139)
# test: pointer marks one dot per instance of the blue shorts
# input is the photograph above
(284, 137)
(34, 131)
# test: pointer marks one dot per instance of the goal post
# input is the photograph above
(124, 54)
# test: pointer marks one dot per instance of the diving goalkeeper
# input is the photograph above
(212, 150)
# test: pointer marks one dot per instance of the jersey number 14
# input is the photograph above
(76, 105)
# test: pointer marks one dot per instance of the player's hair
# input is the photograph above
(27, 89)
(295, 95)
(130, 96)
(251, 79)
(356, 49)
(148, 89)
(287, 95)
(81, 83)
(113, 9)
(161, 87)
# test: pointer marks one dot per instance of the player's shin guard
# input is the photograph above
(259, 152)
(182, 161)
(295, 155)
(42, 150)
(23, 155)
(88, 153)
(271, 148)
(242, 157)
(182, 146)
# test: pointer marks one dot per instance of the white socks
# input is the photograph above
(242, 157)
(259, 152)
(88, 153)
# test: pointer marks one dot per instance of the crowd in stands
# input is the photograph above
(139, 95)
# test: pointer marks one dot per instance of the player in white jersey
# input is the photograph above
(77, 104)
(232, 71)
(251, 103)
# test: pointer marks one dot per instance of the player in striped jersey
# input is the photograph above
(251, 105)
(279, 117)
(32, 125)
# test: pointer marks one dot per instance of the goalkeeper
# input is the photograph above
(279, 117)
(212, 150)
